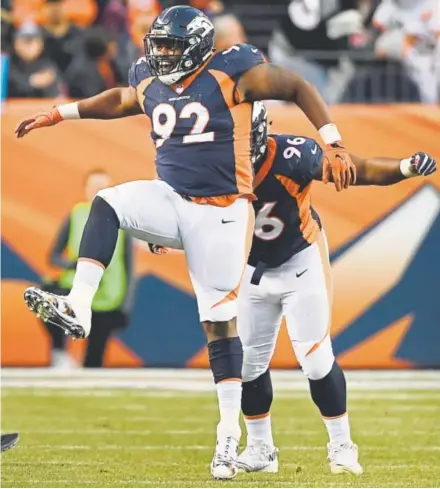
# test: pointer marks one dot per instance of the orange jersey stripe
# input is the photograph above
(267, 165)
(244, 173)
(309, 227)
(242, 117)
(140, 89)
(226, 84)
(184, 84)
(220, 200)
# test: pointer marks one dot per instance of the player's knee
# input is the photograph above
(254, 365)
(217, 330)
(218, 313)
(109, 196)
(257, 395)
(225, 358)
(317, 364)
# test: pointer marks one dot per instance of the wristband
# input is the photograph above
(69, 111)
(405, 168)
(330, 134)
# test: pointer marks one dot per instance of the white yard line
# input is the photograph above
(201, 380)
(203, 386)
(205, 431)
(140, 394)
(205, 374)
(413, 448)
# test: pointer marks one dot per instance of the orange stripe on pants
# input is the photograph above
(233, 294)
(323, 251)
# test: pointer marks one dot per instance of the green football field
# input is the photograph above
(162, 438)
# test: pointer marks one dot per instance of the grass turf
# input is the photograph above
(133, 438)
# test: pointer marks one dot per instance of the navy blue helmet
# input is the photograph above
(180, 40)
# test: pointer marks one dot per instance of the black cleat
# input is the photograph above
(53, 309)
(9, 441)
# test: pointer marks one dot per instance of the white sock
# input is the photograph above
(229, 403)
(259, 430)
(86, 281)
(338, 429)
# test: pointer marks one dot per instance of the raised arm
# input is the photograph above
(111, 104)
(266, 81)
(388, 171)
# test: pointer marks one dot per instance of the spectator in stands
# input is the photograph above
(7, 27)
(31, 73)
(208, 7)
(62, 38)
(94, 68)
(140, 16)
(80, 12)
(409, 34)
(317, 27)
(228, 31)
(114, 16)
(113, 299)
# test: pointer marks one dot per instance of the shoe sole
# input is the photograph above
(224, 478)
(346, 470)
(272, 468)
(48, 313)
(9, 441)
(217, 478)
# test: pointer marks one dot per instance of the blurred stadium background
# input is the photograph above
(376, 61)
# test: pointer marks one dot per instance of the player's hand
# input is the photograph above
(157, 249)
(422, 164)
(44, 119)
(337, 165)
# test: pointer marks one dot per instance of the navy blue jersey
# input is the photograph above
(285, 222)
(202, 135)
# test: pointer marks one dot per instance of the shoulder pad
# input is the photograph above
(138, 71)
(298, 158)
(238, 59)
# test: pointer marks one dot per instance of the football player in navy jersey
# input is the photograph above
(200, 106)
(288, 274)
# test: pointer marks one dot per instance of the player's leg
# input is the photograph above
(308, 314)
(60, 358)
(142, 208)
(217, 241)
(259, 319)
(98, 339)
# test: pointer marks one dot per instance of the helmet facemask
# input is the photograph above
(173, 57)
(258, 133)
(169, 55)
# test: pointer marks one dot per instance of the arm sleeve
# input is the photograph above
(56, 257)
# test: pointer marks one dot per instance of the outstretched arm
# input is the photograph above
(266, 81)
(388, 171)
(111, 104)
(269, 82)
